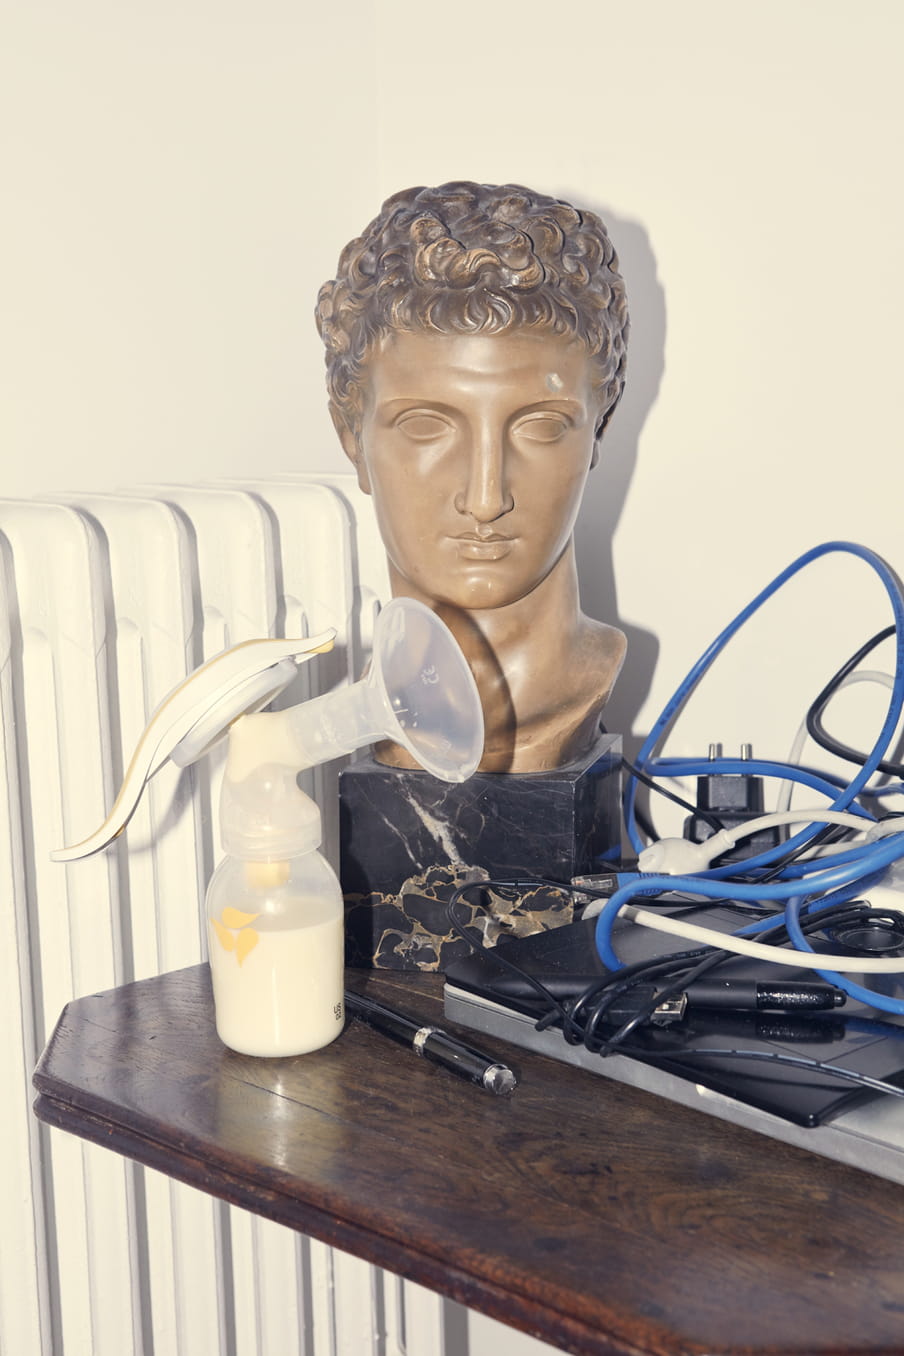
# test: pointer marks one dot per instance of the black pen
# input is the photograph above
(738, 994)
(756, 996)
(433, 1043)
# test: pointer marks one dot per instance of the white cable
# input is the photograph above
(883, 827)
(786, 788)
(818, 816)
(742, 946)
(681, 857)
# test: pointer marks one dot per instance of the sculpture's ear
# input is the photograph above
(602, 424)
(597, 440)
(351, 445)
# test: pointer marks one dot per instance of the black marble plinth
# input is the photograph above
(409, 840)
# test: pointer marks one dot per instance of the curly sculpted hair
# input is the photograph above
(465, 258)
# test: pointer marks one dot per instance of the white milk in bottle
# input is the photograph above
(276, 954)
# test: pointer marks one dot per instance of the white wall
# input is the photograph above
(179, 178)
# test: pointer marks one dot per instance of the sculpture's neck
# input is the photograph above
(541, 668)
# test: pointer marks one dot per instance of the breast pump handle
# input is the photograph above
(196, 714)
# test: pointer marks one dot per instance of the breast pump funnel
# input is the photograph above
(419, 692)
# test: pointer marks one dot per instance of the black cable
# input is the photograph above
(682, 975)
(816, 922)
(682, 978)
(498, 952)
(578, 1028)
(683, 968)
(817, 730)
(556, 1010)
(712, 820)
(609, 988)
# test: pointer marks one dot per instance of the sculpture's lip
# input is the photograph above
(474, 546)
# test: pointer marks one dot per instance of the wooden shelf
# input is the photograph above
(596, 1217)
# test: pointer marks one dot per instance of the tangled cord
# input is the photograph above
(582, 1018)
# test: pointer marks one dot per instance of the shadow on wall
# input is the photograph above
(608, 484)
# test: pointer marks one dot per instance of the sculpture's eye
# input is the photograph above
(543, 428)
(423, 426)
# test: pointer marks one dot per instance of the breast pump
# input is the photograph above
(274, 905)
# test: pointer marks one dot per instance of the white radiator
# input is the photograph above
(106, 602)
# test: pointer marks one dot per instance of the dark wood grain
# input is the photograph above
(594, 1216)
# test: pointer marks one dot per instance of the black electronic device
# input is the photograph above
(773, 1071)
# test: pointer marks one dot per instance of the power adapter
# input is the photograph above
(731, 799)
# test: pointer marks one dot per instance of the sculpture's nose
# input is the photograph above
(486, 495)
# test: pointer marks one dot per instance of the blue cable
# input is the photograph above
(874, 858)
(843, 895)
(796, 870)
(766, 768)
(896, 702)
(882, 1002)
(890, 789)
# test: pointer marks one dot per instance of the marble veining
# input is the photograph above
(408, 841)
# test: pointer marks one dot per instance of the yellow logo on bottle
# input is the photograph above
(234, 932)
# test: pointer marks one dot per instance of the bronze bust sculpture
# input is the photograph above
(475, 346)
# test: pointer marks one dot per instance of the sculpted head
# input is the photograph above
(475, 347)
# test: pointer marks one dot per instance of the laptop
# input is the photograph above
(704, 1059)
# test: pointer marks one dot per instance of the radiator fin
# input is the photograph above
(106, 602)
